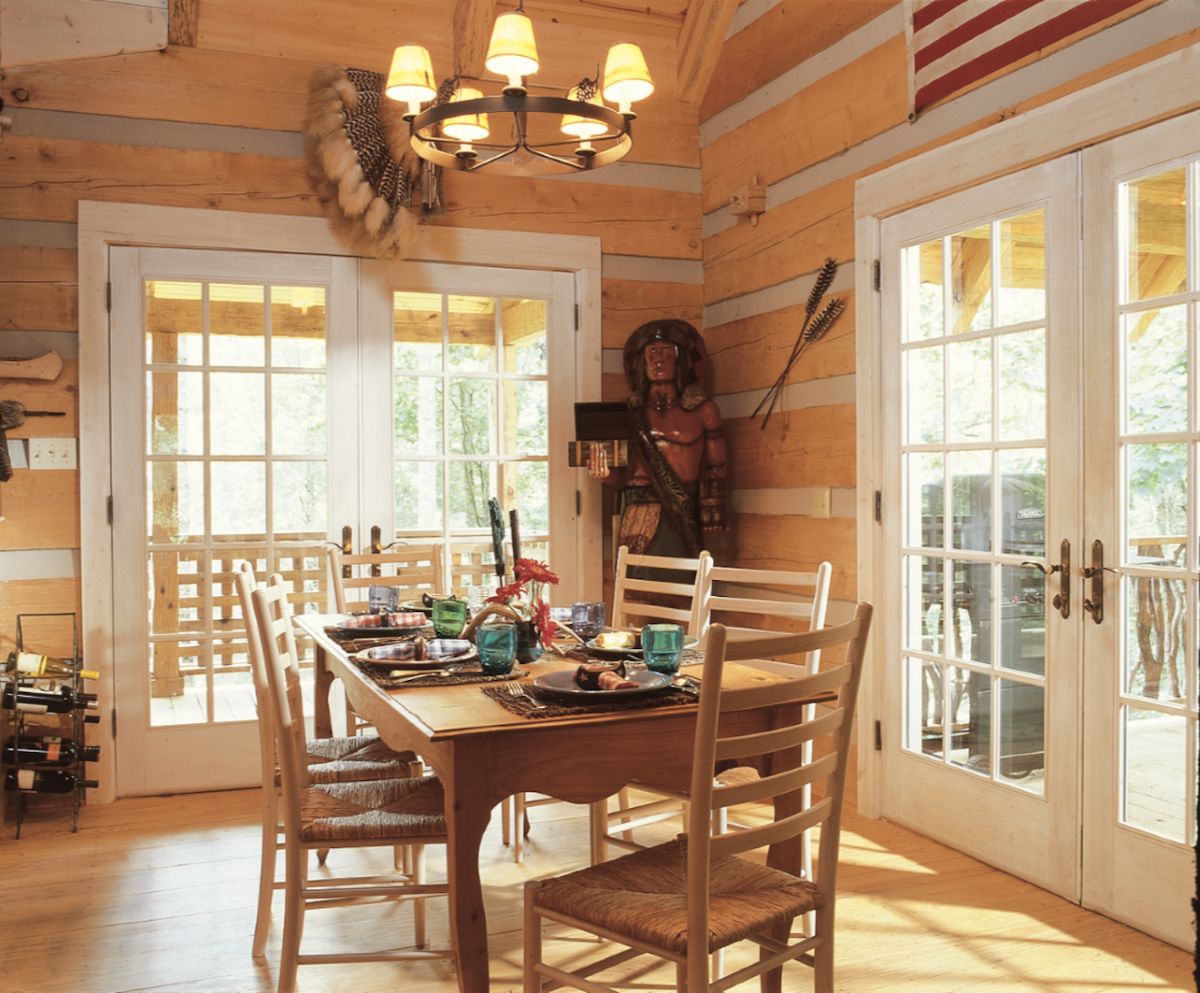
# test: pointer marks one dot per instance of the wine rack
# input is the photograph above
(15, 726)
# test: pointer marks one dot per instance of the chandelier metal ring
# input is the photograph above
(521, 156)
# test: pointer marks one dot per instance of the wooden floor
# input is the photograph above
(159, 894)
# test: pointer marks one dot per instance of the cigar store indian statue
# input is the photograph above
(673, 490)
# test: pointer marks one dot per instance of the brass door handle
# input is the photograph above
(1062, 599)
(376, 548)
(347, 548)
(1094, 604)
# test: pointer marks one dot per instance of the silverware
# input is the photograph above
(452, 671)
(517, 690)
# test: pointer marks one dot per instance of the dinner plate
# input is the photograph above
(378, 656)
(688, 642)
(353, 632)
(561, 685)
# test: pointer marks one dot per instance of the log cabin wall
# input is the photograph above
(216, 122)
(807, 97)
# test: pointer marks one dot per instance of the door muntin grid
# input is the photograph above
(1158, 434)
(973, 439)
(236, 443)
(471, 420)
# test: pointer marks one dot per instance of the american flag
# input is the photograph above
(953, 44)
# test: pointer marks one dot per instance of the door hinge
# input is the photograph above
(108, 510)
(108, 297)
(577, 317)
(113, 718)
(879, 736)
(878, 506)
(877, 275)
(578, 503)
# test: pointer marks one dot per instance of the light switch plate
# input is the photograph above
(822, 502)
(16, 453)
(53, 453)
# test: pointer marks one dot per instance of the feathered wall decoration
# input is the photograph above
(356, 145)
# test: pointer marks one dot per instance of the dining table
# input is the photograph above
(483, 753)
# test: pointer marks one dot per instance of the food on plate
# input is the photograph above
(603, 676)
(616, 639)
(406, 619)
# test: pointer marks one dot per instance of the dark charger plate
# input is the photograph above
(561, 685)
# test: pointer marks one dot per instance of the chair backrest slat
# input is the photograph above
(768, 834)
(750, 605)
(776, 785)
(804, 687)
(677, 600)
(776, 740)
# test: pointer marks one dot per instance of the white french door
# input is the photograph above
(1142, 505)
(1042, 441)
(262, 403)
(983, 459)
(234, 438)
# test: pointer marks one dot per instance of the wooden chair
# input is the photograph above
(361, 814)
(675, 599)
(740, 595)
(689, 898)
(414, 569)
(676, 602)
(328, 760)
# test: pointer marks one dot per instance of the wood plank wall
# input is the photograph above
(809, 97)
(218, 126)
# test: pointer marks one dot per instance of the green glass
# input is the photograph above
(449, 617)
(662, 647)
(497, 646)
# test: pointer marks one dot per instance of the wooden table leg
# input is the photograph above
(322, 682)
(468, 808)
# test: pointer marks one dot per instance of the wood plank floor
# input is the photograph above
(158, 895)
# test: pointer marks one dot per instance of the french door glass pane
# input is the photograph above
(235, 468)
(471, 421)
(974, 438)
(1160, 434)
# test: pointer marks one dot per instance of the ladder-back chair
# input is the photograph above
(372, 813)
(328, 760)
(687, 899)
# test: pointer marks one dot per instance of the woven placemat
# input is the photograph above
(523, 707)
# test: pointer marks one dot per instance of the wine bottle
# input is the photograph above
(30, 664)
(31, 701)
(29, 749)
(44, 781)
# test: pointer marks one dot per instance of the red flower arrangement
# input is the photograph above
(524, 596)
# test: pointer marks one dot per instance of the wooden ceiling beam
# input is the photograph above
(704, 28)
(472, 29)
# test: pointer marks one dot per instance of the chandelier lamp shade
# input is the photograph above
(514, 132)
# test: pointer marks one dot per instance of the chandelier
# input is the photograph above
(548, 134)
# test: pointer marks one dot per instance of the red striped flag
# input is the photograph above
(954, 44)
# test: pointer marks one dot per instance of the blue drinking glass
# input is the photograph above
(497, 647)
(662, 647)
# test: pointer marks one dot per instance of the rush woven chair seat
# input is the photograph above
(364, 814)
(363, 756)
(644, 895)
(388, 809)
(688, 899)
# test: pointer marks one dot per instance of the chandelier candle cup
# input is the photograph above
(497, 647)
(662, 647)
(449, 617)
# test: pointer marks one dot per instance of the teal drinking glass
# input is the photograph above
(497, 647)
(662, 647)
(449, 617)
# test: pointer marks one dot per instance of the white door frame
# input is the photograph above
(102, 225)
(1158, 90)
